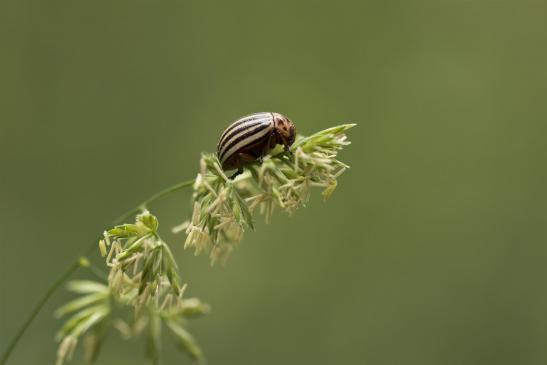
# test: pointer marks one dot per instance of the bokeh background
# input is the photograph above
(432, 251)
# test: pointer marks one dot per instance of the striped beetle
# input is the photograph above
(251, 137)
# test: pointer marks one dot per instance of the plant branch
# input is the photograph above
(56, 284)
(153, 198)
(78, 263)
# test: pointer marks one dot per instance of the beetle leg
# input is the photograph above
(245, 157)
(270, 143)
(265, 149)
(286, 145)
(238, 172)
(287, 148)
(242, 158)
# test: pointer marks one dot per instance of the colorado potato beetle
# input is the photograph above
(251, 137)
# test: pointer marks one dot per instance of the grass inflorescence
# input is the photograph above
(142, 293)
(223, 208)
(143, 286)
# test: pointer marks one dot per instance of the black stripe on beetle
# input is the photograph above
(245, 138)
(238, 130)
(250, 138)
(245, 119)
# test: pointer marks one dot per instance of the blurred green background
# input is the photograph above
(432, 251)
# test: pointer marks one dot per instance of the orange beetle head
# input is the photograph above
(285, 130)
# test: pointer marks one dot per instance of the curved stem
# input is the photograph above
(76, 264)
(153, 198)
(56, 284)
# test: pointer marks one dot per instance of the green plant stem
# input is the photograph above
(76, 264)
(153, 198)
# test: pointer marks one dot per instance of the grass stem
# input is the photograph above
(76, 264)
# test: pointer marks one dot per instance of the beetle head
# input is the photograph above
(285, 130)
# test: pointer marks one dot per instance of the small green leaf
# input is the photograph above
(194, 307)
(186, 340)
(146, 272)
(82, 302)
(329, 189)
(150, 221)
(93, 342)
(171, 269)
(87, 286)
(82, 320)
(247, 216)
(153, 344)
(133, 248)
(84, 325)
(321, 136)
(124, 231)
